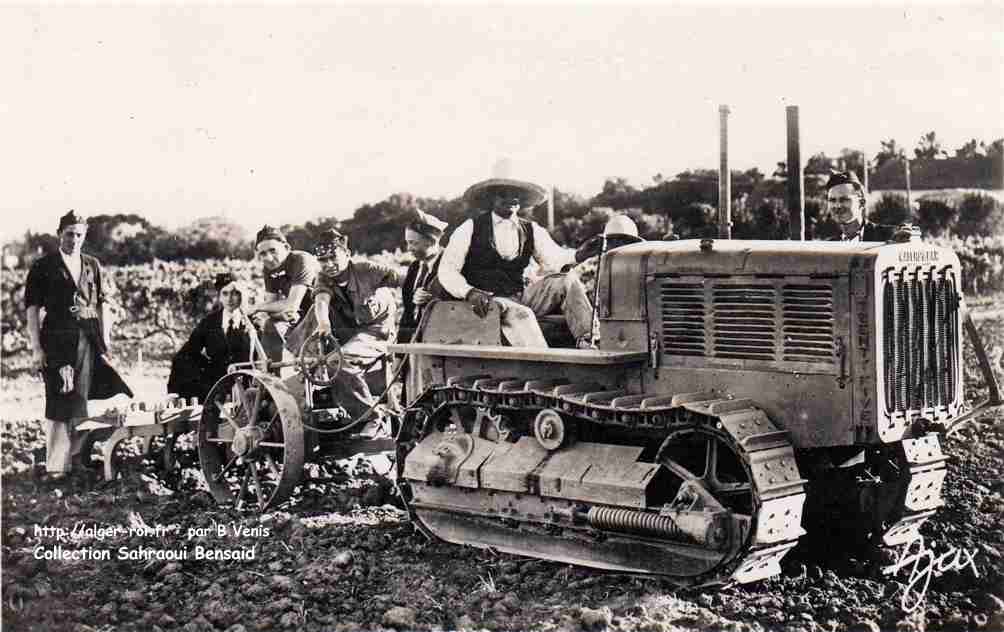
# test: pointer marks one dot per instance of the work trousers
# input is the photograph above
(553, 294)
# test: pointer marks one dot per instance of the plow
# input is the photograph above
(745, 393)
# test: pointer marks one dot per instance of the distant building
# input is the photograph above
(940, 178)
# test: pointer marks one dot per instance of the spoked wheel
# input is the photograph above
(250, 441)
(708, 473)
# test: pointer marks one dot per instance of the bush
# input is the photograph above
(891, 210)
(934, 217)
(979, 216)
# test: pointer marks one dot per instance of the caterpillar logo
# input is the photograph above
(918, 256)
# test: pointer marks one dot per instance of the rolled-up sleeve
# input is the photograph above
(454, 256)
(549, 254)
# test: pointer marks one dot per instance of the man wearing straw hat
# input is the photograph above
(487, 258)
(69, 345)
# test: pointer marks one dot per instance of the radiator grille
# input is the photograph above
(767, 321)
(683, 318)
(744, 321)
(808, 323)
(921, 333)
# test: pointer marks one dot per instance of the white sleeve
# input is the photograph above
(454, 256)
(547, 253)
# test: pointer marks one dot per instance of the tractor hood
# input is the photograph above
(626, 270)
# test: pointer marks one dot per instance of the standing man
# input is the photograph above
(69, 343)
(421, 238)
(487, 258)
(289, 277)
(354, 300)
(845, 200)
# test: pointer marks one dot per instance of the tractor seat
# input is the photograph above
(454, 322)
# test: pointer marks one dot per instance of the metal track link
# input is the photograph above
(778, 488)
(921, 483)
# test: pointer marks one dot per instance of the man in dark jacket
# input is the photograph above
(219, 340)
(421, 238)
(355, 302)
(69, 345)
(845, 201)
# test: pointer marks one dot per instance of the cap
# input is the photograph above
(328, 242)
(844, 177)
(426, 224)
(70, 219)
(223, 279)
(269, 232)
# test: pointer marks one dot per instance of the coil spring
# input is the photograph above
(632, 521)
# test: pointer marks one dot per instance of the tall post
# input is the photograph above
(795, 193)
(724, 175)
(550, 209)
(864, 171)
(906, 166)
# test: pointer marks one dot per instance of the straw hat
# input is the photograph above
(480, 195)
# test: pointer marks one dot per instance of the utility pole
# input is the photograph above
(550, 209)
(795, 193)
(724, 175)
(864, 169)
(906, 165)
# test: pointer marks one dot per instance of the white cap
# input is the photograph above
(620, 225)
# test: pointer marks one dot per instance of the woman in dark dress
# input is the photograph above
(219, 340)
(69, 333)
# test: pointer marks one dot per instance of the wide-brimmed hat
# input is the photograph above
(480, 195)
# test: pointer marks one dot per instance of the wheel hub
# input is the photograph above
(246, 440)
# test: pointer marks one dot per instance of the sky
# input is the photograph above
(283, 113)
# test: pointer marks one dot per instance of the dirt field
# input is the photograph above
(344, 557)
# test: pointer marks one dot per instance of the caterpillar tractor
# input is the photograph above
(742, 392)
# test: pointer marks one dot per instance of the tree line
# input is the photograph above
(683, 206)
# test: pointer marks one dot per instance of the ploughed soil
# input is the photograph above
(344, 556)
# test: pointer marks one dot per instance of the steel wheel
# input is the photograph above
(709, 474)
(250, 441)
(705, 457)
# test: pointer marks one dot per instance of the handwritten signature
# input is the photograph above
(925, 564)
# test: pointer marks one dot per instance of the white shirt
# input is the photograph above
(546, 252)
(232, 319)
(74, 263)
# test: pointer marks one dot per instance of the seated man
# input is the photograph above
(219, 340)
(845, 201)
(487, 258)
(421, 238)
(354, 301)
(289, 277)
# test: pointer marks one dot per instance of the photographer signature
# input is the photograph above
(926, 564)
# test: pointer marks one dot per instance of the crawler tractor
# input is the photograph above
(743, 392)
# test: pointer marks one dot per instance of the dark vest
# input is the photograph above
(486, 270)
